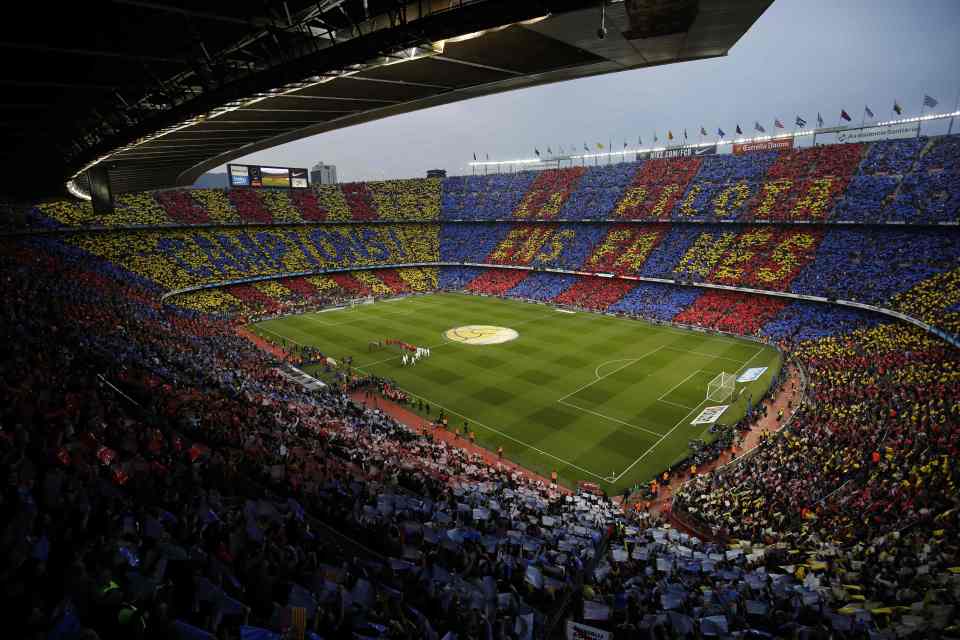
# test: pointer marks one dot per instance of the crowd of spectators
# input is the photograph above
(548, 193)
(486, 197)
(915, 180)
(804, 184)
(165, 479)
(496, 282)
(874, 265)
(731, 311)
(180, 258)
(594, 293)
(724, 187)
(872, 451)
(656, 188)
(201, 482)
(908, 269)
(167, 482)
(407, 199)
(597, 193)
(246, 302)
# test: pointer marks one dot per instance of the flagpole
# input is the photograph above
(923, 104)
(956, 107)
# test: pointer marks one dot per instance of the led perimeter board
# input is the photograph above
(247, 175)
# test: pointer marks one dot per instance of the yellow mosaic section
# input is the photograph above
(217, 204)
(742, 250)
(786, 256)
(372, 282)
(136, 208)
(177, 258)
(332, 199)
(929, 300)
(68, 212)
(322, 283)
(417, 199)
(609, 245)
(704, 254)
(420, 278)
(273, 289)
(207, 300)
(280, 207)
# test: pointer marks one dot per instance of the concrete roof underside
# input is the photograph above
(368, 76)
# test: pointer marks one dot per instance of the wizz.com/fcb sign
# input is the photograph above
(766, 145)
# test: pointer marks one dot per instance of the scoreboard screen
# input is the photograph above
(247, 175)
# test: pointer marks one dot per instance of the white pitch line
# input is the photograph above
(674, 387)
(400, 355)
(657, 443)
(701, 353)
(630, 361)
(656, 434)
(675, 404)
(596, 371)
(282, 337)
(505, 435)
(312, 317)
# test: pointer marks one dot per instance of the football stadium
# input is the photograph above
(701, 384)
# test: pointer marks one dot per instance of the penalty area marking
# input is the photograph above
(598, 377)
(655, 434)
(682, 420)
(346, 310)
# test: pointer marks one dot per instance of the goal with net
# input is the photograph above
(721, 388)
(358, 301)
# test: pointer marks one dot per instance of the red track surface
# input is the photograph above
(412, 420)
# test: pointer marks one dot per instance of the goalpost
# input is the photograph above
(721, 388)
(358, 301)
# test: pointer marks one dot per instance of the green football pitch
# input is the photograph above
(598, 398)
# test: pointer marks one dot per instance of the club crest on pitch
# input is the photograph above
(481, 334)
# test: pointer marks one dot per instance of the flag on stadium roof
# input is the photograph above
(897, 107)
(669, 134)
(599, 145)
(585, 147)
(758, 126)
(819, 119)
(655, 138)
(739, 130)
(536, 151)
(777, 123)
(474, 156)
(639, 141)
(866, 110)
(929, 101)
(845, 115)
(549, 151)
(703, 131)
(488, 156)
(801, 122)
(684, 133)
(624, 144)
(720, 132)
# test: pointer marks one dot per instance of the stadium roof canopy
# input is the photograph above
(159, 91)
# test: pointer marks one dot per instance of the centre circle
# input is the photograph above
(481, 334)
